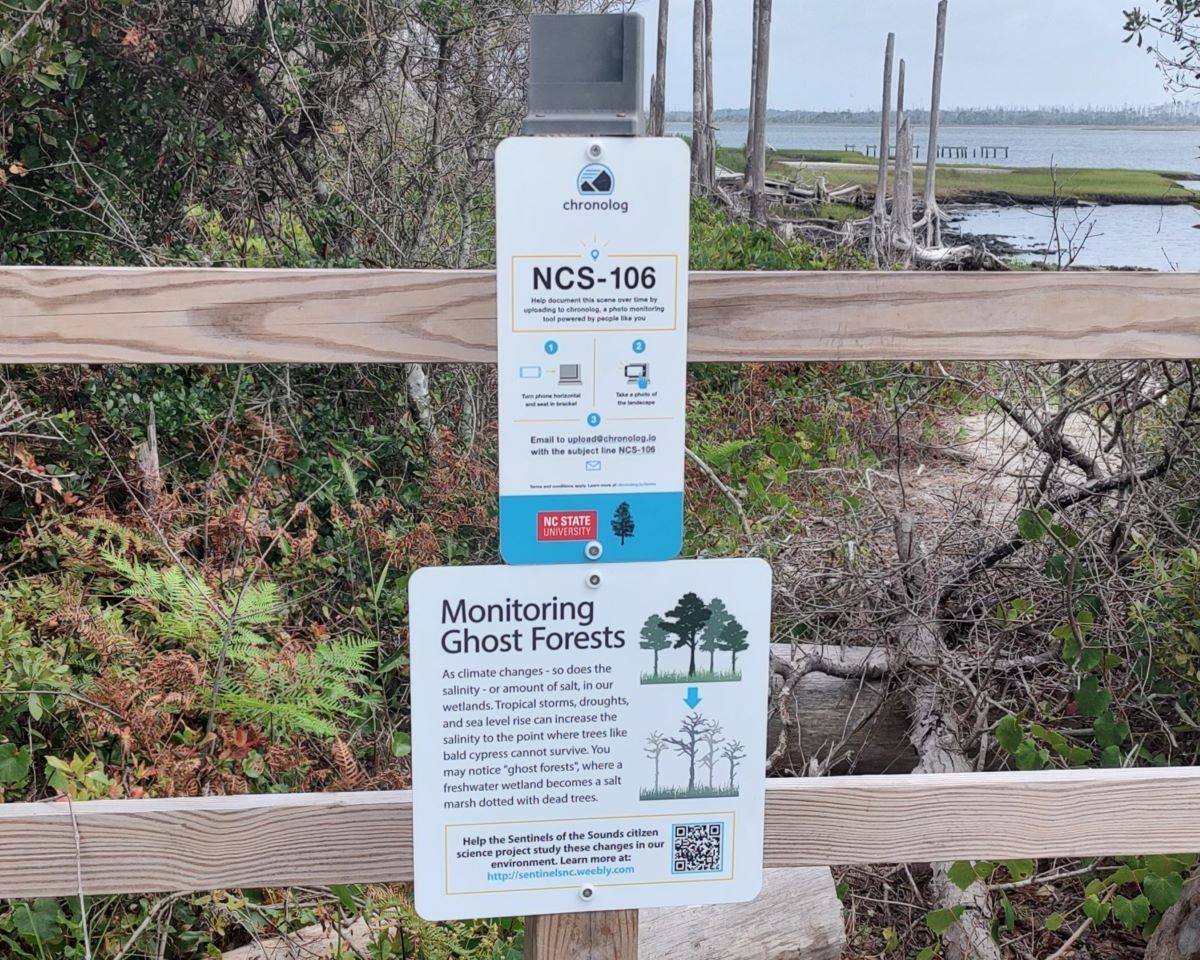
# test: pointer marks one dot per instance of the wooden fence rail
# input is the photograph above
(152, 315)
(201, 843)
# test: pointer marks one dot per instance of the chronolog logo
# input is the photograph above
(595, 180)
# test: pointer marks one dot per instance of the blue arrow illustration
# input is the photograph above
(693, 697)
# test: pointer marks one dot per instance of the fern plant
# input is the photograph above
(308, 694)
(284, 693)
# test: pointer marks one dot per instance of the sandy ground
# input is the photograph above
(990, 468)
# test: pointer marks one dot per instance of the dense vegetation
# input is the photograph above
(203, 568)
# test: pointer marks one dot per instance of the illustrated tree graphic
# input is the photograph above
(688, 743)
(655, 638)
(733, 640)
(688, 618)
(712, 739)
(734, 752)
(711, 638)
(656, 743)
(622, 523)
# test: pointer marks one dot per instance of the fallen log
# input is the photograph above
(937, 738)
(797, 916)
(843, 725)
(1177, 936)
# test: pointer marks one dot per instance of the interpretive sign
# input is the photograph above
(588, 738)
(592, 270)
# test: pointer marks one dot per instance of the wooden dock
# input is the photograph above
(959, 152)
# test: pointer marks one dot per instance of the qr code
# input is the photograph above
(697, 847)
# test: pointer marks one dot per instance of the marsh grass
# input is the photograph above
(1023, 185)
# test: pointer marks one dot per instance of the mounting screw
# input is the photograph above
(586, 892)
(595, 151)
(593, 580)
(594, 550)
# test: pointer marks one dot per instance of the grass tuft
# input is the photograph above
(683, 793)
(720, 676)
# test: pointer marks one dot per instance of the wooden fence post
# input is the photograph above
(607, 935)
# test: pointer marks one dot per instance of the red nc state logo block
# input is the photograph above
(567, 525)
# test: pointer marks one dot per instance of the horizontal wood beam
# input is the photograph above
(149, 846)
(182, 315)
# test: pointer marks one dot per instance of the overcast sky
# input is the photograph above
(828, 55)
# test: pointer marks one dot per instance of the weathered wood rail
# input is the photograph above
(97, 315)
(203, 843)
(133, 315)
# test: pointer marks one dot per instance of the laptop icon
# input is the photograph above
(568, 374)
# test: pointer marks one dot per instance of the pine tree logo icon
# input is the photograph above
(622, 523)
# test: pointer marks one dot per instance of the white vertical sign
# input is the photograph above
(592, 272)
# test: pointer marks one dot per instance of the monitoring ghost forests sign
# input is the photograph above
(588, 738)
(592, 270)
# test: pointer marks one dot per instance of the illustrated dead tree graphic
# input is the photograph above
(656, 743)
(712, 738)
(654, 638)
(688, 744)
(622, 523)
(734, 753)
(711, 642)
(689, 617)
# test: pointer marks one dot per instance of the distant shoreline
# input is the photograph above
(1145, 128)
(1155, 118)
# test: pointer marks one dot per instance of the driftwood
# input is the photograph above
(796, 916)
(841, 724)
(1178, 934)
(316, 942)
(149, 475)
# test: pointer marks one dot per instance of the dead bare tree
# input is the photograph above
(658, 86)
(710, 127)
(749, 148)
(701, 184)
(19, 427)
(1098, 453)
(902, 200)
(931, 218)
(899, 110)
(1067, 240)
(756, 164)
(879, 231)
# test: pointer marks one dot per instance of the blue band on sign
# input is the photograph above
(555, 528)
